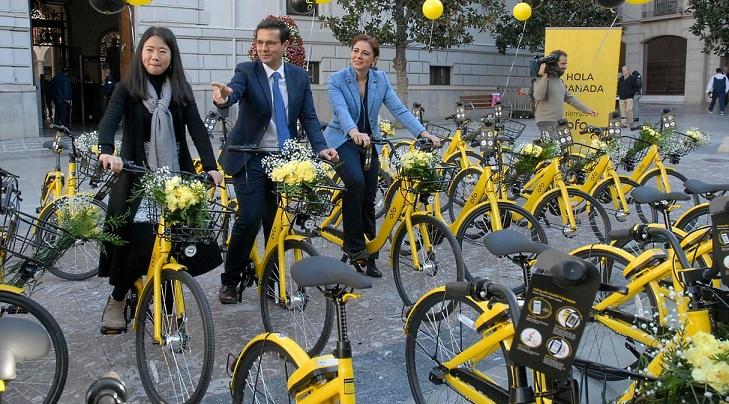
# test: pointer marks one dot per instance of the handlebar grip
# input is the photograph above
(458, 289)
(620, 234)
(131, 166)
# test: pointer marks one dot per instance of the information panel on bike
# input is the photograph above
(551, 325)
(720, 224)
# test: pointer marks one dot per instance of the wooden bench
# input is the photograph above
(477, 101)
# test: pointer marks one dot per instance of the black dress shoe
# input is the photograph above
(228, 294)
(372, 271)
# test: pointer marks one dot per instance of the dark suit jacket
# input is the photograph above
(253, 94)
(121, 105)
(61, 88)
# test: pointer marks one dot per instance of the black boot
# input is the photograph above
(372, 270)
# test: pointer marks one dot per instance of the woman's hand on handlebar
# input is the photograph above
(216, 176)
(330, 155)
(359, 138)
(434, 139)
(110, 162)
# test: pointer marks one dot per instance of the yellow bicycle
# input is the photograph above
(272, 368)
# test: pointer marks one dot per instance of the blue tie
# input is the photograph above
(279, 110)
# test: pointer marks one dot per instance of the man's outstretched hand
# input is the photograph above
(221, 92)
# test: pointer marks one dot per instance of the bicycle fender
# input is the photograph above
(605, 248)
(441, 289)
(11, 289)
(292, 348)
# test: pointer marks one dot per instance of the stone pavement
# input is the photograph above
(375, 319)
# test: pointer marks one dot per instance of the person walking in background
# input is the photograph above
(46, 97)
(717, 88)
(636, 98)
(107, 87)
(61, 89)
(627, 88)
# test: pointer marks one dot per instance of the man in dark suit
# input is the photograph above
(261, 89)
(61, 88)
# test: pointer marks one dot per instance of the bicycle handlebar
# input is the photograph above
(481, 289)
(591, 129)
(249, 148)
(643, 232)
(62, 129)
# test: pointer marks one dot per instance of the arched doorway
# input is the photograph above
(665, 70)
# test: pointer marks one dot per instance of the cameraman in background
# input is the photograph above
(550, 92)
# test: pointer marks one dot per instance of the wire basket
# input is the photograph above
(511, 129)
(9, 191)
(470, 131)
(579, 160)
(315, 202)
(680, 145)
(184, 233)
(89, 169)
(513, 170)
(436, 130)
(635, 151)
(428, 181)
(27, 241)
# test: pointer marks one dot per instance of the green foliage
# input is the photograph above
(563, 13)
(711, 24)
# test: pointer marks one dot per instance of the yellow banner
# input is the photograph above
(593, 55)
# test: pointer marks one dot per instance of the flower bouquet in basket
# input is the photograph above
(298, 174)
(182, 202)
(682, 144)
(694, 370)
(648, 136)
(528, 156)
(387, 129)
(88, 142)
(420, 168)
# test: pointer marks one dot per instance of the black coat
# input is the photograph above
(113, 261)
(627, 87)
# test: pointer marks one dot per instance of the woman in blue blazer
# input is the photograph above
(356, 94)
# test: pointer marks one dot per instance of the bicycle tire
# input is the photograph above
(459, 199)
(177, 341)
(508, 211)
(643, 307)
(550, 206)
(427, 277)
(250, 362)
(278, 318)
(12, 304)
(692, 219)
(448, 308)
(80, 261)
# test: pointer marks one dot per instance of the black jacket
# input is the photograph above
(627, 87)
(121, 105)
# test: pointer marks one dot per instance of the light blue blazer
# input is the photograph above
(346, 105)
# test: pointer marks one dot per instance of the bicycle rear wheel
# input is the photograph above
(440, 263)
(41, 380)
(305, 315)
(440, 327)
(178, 368)
(262, 374)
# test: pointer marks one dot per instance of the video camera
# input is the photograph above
(550, 60)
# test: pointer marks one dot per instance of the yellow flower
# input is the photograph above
(694, 134)
(531, 150)
(599, 145)
(171, 202)
(717, 376)
(95, 149)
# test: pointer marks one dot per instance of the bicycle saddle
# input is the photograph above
(21, 340)
(508, 242)
(322, 271)
(694, 186)
(653, 195)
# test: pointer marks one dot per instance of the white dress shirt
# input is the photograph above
(270, 137)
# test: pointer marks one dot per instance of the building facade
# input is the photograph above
(38, 36)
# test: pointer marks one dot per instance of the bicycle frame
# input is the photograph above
(547, 178)
(54, 180)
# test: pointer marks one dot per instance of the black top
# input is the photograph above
(627, 87)
(363, 123)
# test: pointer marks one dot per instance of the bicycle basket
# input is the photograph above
(514, 170)
(9, 191)
(306, 201)
(579, 160)
(636, 150)
(428, 180)
(89, 169)
(680, 145)
(511, 129)
(471, 130)
(209, 230)
(29, 244)
(437, 130)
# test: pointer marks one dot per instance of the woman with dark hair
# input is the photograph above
(157, 105)
(357, 93)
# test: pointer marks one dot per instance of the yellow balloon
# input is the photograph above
(432, 9)
(139, 2)
(637, 2)
(323, 1)
(522, 11)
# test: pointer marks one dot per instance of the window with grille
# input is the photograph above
(440, 75)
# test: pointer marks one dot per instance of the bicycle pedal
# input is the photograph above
(112, 331)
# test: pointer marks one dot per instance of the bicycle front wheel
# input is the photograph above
(438, 253)
(304, 314)
(178, 368)
(439, 328)
(591, 225)
(262, 374)
(80, 260)
(460, 190)
(39, 380)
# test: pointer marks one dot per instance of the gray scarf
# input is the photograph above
(162, 144)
